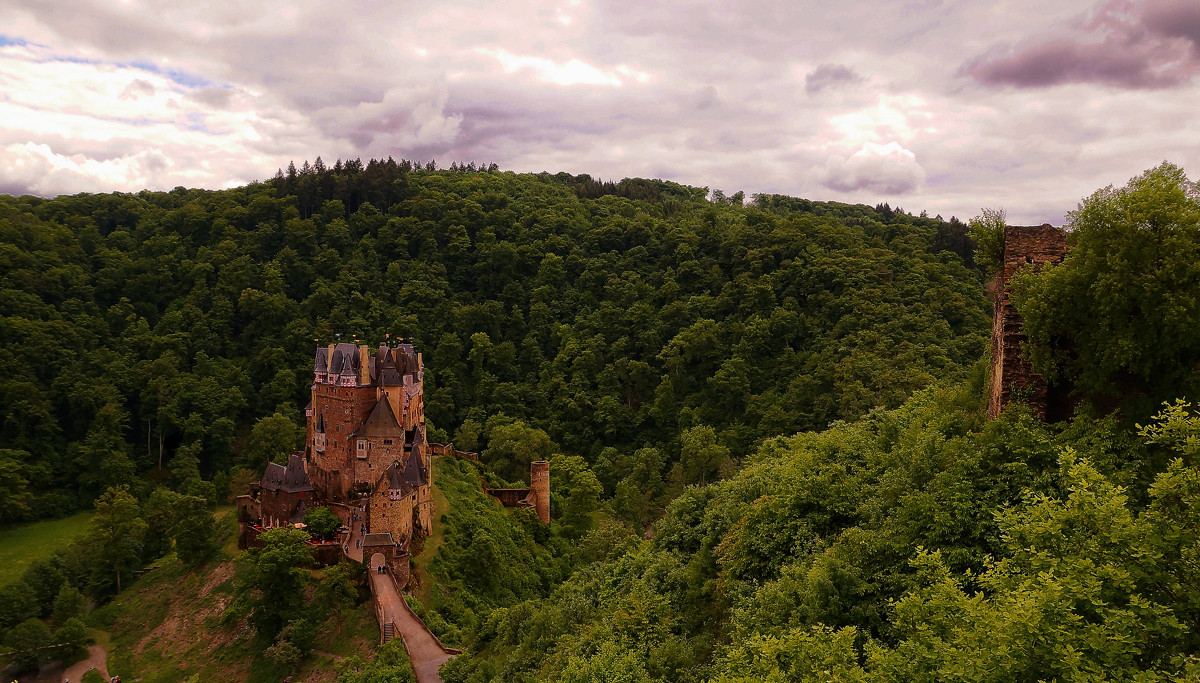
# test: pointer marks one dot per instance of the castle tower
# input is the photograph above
(539, 485)
(1012, 374)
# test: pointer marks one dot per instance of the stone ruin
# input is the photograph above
(1012, 375)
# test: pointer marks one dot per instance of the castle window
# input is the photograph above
(362, 448)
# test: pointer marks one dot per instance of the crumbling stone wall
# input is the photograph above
(248, 509)
(537, 496)
(509, 498)
(1012, 375)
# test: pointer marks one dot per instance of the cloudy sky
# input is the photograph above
(947, 106)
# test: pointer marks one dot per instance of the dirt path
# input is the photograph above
(326, 653)
(97, 658)
(425, 652)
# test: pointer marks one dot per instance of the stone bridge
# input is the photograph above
(396, 618)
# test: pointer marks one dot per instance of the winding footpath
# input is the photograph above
(424, 650)
(96, 659)
(426, 653)
(352, 549)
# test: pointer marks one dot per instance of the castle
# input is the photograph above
(366, 457)
(365, 454)
(1012, 375)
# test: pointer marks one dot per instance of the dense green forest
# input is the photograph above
(765, 420)
(142, 336)
(924, 543)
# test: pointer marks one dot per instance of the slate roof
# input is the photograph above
(408, 355)
(320, 426)
(345, 358)
(298, 514)
(386, 369)
(386, 365)
(396, 480)
(381, 422)
(290, 479)
(414, 472)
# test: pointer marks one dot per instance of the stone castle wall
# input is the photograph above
(343, 410)
(424, 512)
(390, 516)
(381, 452)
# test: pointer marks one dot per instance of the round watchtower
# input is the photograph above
(539, 483)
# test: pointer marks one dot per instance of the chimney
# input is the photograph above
(364, 365)
(329, 360)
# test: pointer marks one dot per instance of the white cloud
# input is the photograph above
(43, 171)
(888, 170)
(890, 118)
(573, 71)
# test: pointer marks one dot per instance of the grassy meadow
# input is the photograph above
(21, 546)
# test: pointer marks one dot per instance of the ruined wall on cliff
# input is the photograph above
(1012, 375)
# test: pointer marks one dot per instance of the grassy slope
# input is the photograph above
(168, 627)
(431, 544)
(21, 546)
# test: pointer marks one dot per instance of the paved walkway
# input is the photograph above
(353, 550)
(423, 649)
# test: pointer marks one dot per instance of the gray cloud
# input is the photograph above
(137, 88)
(217, 98)
(1178, 18)
(1122, 44)
(828, 76)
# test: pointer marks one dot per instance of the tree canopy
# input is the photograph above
(172, 332)
(1120, 315)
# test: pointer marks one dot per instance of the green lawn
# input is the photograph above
(21, 546)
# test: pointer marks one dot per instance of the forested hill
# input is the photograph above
(556, 313)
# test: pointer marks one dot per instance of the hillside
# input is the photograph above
(172, 626)
(919, 543)
(765, 425)
(142, 336)
(926, 542)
